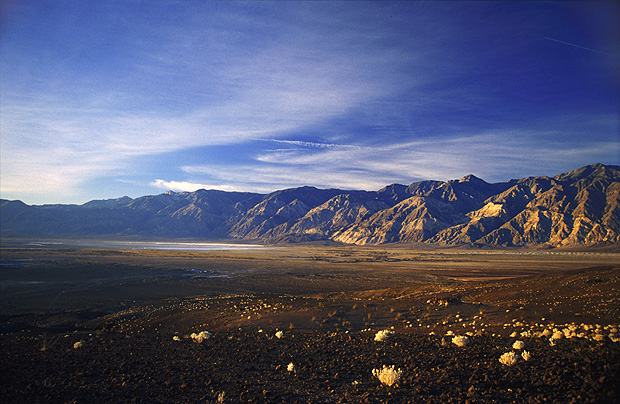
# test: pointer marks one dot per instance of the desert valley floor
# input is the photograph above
(101, 325)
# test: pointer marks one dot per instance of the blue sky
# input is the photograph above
(100, 99)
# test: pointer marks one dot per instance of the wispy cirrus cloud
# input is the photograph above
(233, 95)
(317, 145)
(497, 156)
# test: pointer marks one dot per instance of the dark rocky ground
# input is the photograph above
(128, 353)
(329, 368)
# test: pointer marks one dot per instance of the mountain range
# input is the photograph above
(579, 208)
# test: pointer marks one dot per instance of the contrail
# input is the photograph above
(576, 46)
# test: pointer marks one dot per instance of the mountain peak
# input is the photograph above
(594, 170)
(472, 178)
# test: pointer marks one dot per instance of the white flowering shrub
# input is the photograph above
(383, 335)
(388, 375)
(509, 358)
(526, 356)
(518, 345)
(279, 334)
(460, 340)
(201, 336)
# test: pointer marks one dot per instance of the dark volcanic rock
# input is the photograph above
(328, 367)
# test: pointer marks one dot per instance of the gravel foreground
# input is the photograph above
(297, 339)
(328, 367)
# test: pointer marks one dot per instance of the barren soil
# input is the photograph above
(125, 307)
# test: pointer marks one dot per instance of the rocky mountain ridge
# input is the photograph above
(576, 208)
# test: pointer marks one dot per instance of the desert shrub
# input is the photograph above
(460, 340)
(201, 336)
(383, 335)
(290, 367)
(279, 334)
(526, 356)
(518, 345)
(78, 344)
(388, 375)
(509, 358)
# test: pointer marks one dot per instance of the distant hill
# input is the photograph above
(579, 208)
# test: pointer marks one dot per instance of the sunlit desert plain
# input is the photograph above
(308, 323)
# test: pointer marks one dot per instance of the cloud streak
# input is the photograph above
(494, 156)
(185, 186)
(316, 145)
